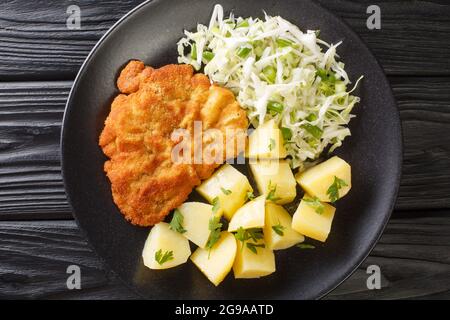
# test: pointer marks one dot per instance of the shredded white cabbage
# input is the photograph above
(277, 72)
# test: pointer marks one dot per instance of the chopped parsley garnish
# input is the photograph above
(305, 246)
(254, 234)
(163, 258)
(225, 191)
(272, 144)
(315, 203)
(177, 222)
(252, 247)
(250, 195)
(271, 194)
(215, 227)
(279, 229)
(333, 190)
(216, 205)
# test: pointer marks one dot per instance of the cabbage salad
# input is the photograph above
(277, 72)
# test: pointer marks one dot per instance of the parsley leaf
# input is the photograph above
(215, 227)
(241, 235)
(333, 190)
(177, 222)
(255, 234)
(279, 229)
(216, 205)
(271, 194)
(272, 144)
(163, 258)
(305, 246)
(252, 247)
(250, 195)
(225, 191)
(315, 204)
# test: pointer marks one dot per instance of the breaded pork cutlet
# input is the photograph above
(146, 183)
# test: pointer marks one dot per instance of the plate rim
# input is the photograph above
(399, 150)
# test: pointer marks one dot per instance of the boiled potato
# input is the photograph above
(310, 223)
(317, 180)
(266, 142)
(196, 216)
(275, 175)
(253, 265)
(278, 233)
(217, 263)
(229, 186)
(171, 246)
(251, 215)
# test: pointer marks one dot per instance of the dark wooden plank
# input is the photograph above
(412, 255)
(31, 113)
(30, 124)
(414, 261)
(404, 24)
(35, 43)
(35, 258)
(424, 105)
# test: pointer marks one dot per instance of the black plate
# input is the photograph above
(150, 33)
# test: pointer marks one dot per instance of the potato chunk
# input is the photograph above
(278, 233)
(311, 223)
(217, 263)
(251, 215)
(266, 142)
(229, 186)
(276, 177)
(196, 216)
(317, 180)
(253, 265)
(167, 242)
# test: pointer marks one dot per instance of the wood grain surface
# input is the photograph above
(39, 58)
(35, 43)
(30, 121)
(412, 255)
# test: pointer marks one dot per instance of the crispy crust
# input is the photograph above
(146, 184)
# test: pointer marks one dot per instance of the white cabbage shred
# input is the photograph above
(277, 72)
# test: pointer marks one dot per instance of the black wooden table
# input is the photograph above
(39, 58)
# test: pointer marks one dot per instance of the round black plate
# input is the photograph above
(150, 33)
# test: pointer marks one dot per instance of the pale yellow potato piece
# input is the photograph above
(162, 238)
(196, 217)
(277, 216)
(217, 263)
(251, 215)
(312, 224)
(275, 175)
(316, 180)
(266, 142)
(221, 182)
(250, 265)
